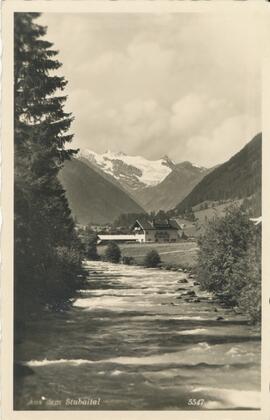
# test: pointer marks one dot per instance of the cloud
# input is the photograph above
(223, 141)
(187, 85)
(187, 114)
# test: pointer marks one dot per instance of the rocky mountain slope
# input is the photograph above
(172, 189)
(133, 172)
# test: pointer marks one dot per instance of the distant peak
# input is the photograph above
(169, 162)
(186, 163)
(134, 171)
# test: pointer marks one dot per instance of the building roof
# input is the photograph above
(155, 224)
(175, 224)
(115, 237)
(145, 225)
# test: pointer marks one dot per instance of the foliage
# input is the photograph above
(189, 215)
(112, 253)
(250, 299)
(152, 259)
(48, 253)
(91, 247)
(253, 204)
(128, 260)
(170, 252)
(229, 260)
(89, 239)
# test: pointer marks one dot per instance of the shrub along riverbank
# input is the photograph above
(229, 261)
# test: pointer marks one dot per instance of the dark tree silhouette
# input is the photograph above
(48, 253)
(112, 253)
(152, 259)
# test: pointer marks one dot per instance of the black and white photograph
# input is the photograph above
(137, 223)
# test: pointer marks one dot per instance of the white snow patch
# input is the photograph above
(153, 171)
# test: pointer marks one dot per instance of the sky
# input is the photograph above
(186, 85)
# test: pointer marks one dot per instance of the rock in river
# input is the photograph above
(189, 293)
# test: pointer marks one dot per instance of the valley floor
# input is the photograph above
(181, 253)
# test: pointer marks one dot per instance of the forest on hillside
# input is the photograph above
(239, 177)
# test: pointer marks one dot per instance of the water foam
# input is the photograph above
(191, 332)
(46, 362)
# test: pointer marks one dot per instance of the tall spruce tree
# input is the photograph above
(47, 251)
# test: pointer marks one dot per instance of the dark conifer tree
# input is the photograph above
(47, 251)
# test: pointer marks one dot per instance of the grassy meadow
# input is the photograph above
(182, 254)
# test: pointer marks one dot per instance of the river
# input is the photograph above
(134, 341)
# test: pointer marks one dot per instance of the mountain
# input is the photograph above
(132, 172)
(174, 188)
(92, 198)
(239, 177)
(154, 184)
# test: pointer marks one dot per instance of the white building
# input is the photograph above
(155, 231)
(144, 231)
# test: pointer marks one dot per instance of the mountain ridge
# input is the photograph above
(92, 197)
(238, 177)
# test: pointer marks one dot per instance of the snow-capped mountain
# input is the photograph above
(154, 184)
(133, 172)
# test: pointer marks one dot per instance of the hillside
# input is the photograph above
(239, 177)
(92, 198)
(174, 188)
(104, 174)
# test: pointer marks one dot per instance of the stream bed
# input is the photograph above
(140, 339)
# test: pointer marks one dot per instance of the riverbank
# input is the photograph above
(175, 255)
